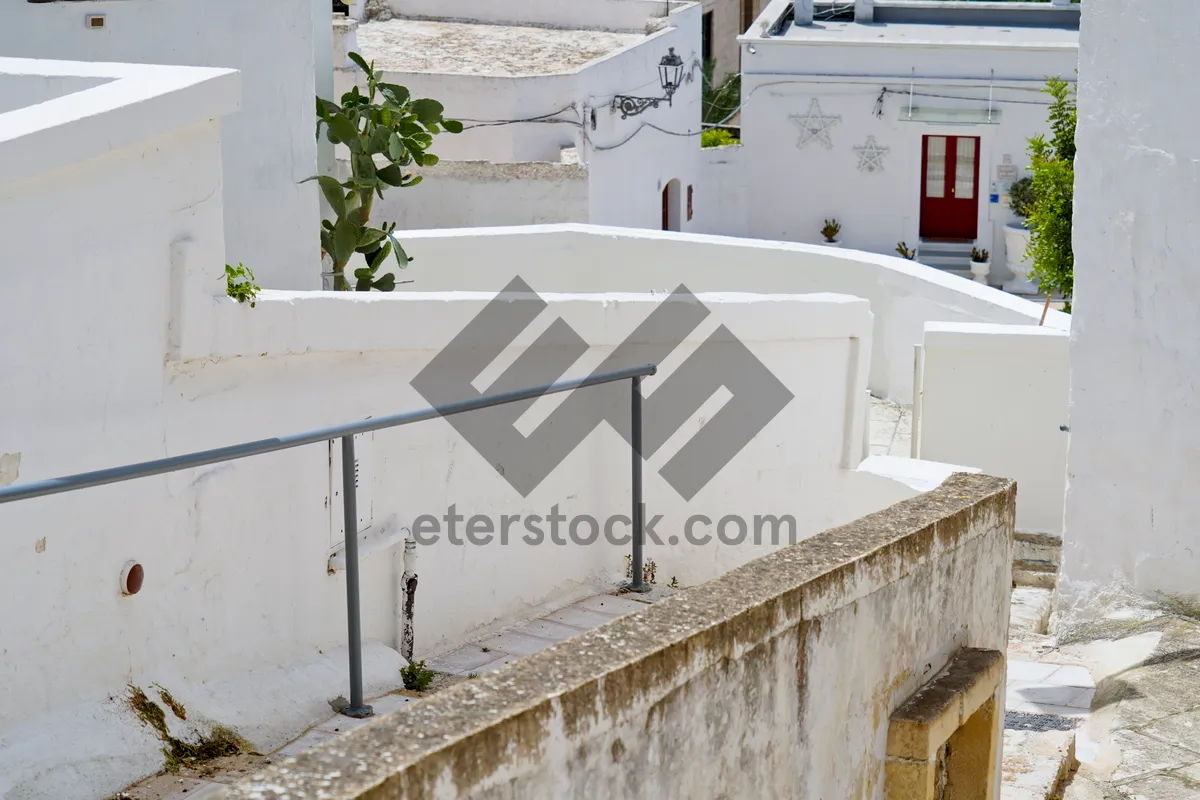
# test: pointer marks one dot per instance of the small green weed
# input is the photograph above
(240, 285)
(416, 677)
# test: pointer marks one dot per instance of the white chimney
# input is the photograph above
(803, 12)
(864, 10)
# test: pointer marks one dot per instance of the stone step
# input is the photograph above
(1037, 547)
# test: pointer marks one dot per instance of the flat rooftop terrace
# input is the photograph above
(924, 34)
(472, 48)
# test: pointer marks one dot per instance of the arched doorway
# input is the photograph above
(671, 208)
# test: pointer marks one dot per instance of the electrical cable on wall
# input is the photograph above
(877, 111)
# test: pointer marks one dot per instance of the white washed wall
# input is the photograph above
(456, 194)
(995, 397)
(271, 220)
(903, 295)
(1132, 500)
(722, 196)
(793, 190)
(629, 162)
(135, 355)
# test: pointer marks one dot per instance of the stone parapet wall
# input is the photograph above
(775, 680)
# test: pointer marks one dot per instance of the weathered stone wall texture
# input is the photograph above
(775, 680)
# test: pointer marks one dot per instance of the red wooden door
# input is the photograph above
(950, 187)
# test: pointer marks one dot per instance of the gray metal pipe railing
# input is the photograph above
(346, 432)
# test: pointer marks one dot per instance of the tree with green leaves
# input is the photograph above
(718, 103)
(1051, 212)
(383, 138)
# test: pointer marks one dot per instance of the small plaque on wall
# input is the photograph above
(1006, 173)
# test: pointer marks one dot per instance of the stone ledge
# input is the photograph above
(476, 729)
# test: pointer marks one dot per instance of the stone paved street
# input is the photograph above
(891, 429)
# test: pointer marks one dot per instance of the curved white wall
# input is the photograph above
(903, 295)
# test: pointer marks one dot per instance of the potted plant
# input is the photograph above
(981, 265)
(1016, 238)
(905, 252)
(830, 231)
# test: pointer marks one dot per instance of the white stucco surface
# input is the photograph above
(903, 295)
(995, 397)
(1131, 499)
(454, 194)
(270, 219)
(243, 596)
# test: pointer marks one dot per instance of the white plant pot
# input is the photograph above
(837, 243)
(980, 270)
(1016, 245)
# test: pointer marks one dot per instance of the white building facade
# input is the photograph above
(1132, 459)
(905, 122)
(271, 221)
(539, 88)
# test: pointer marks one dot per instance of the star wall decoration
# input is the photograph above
(814, 126)
(870, 156)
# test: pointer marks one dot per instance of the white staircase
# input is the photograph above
(953, 257)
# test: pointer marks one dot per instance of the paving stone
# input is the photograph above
(1161, 787)
(579, 618)
(492, 666)
(1027, 707)
(339, 723)
(1152, 693)
(1047, 694)
(305, 742)
(1072, 676)
(1030, 609)
(172, 787)
(1030, 671)
(548, 629)
(389, 703)
(464, 659)
(1181, 730)
(610, 605)
(514, 643)
(1033, 761)
(1141, 755)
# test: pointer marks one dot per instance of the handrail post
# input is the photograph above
(357, 708)
(636, 583)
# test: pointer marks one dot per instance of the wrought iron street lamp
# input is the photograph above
(670, 76)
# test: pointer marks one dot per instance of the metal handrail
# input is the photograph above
(346, 432)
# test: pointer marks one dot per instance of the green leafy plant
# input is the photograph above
(717, 137)
(831, 229)
(472, 676)
(1050, 213)
(416, 677)
(1020, 197)
(905, 252)
(719, 103)
(240, 285)
(674, 584)
(397, 131)
(980, 256)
